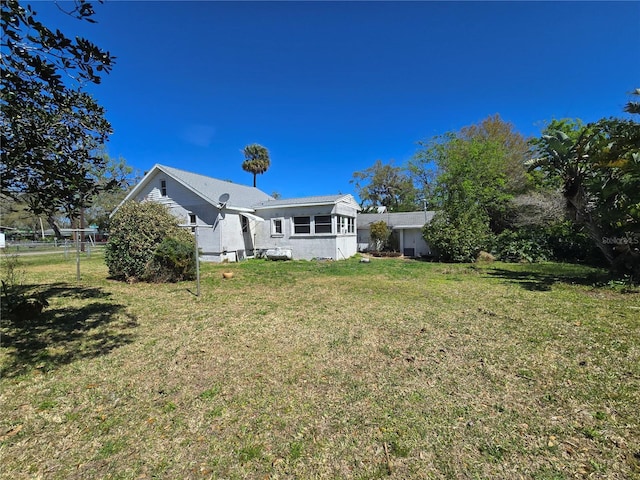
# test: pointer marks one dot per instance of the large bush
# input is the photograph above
(458, 237)
(146, 243)
(172, 261)
(523, 245)
(559, 241)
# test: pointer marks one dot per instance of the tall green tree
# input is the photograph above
(598, 165)
(256, 160)
(470, 177)
(514, 150)
(50, 129)
(385, 185)
(124, 175)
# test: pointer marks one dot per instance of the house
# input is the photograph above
(236, 221)
(312, 227)
(406, 228)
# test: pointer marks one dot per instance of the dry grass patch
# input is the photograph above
(329, 370)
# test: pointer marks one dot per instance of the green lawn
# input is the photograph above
(395, 368)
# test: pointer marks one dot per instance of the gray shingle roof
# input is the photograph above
(211, 188)
(396, 219)
(314, 200)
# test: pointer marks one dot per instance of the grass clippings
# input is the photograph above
(387, 369)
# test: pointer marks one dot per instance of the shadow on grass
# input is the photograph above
(87, 326)
(542, 281)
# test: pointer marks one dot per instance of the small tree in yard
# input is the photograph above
(146, 243)
(380, 234)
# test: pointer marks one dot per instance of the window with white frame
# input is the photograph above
(245, 224)
(192, 221)
(346, 225)
(301, 225)
(276, 227)
(163, 188)
(322, 224)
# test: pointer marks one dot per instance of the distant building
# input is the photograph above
(406, 226)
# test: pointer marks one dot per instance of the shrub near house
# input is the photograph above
(146, 243)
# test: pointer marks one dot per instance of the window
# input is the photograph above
(301, 224)
(192, 218)
(163, 188)
(322, 223)
(346, 225)
(276, 227)
(245, 223)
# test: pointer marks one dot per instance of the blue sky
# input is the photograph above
(330, 87)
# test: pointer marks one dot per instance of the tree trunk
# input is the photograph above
(81, 229)
(52, 224)
(578, 206)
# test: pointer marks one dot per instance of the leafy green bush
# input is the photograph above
(459, 237)
(137, 231)
(379, 232)
(557, 241)
(570, 243)
(174, 260)
(524, 245)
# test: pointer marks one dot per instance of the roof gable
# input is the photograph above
(208, 188)
(241, 197)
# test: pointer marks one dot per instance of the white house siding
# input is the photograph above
(181, 202)
(412, 243)
(307, 247)
(235, 244)
(346, 246)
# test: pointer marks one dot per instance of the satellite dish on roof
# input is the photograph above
(223, 199)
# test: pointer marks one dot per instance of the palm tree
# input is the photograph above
(256, 160)
(633, 106)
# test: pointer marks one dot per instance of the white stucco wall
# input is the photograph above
(307, 246)
(411, 238)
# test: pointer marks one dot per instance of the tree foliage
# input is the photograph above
(633, 106)
(115, 170)
(384, 185)
(256, 160)
(471, 177)
(598, 165)
(379, 233)
(50, 128)
(491, 148)
(514, 150)
(458, 236)
(172, 261)
(134, 251)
